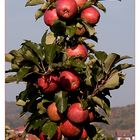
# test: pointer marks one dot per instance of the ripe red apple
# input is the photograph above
(77, 114)
(69, 80)
(91, 116)
(80, 31)
(48, 83)
(84, 134)
(90, 15)
(66, 9)
(42, 82)
(80, 3)
(70, 130)
(53, 112)
(57, 135)
(78, 51)
(50, 16)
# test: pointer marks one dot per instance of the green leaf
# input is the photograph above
(43, 39)
(114, 81)
(50, 38)
(71, 30)
(11, 78)
(100, 6)
(49, 129)
(50, 53)
(41, 108)
(123, 58)
(84, 104)
(90, 29)
(59, 28)
(61, 100)
(88, 76)
(39, 13)
(35, 48)
(103, 104)
(110, 61)
(123, 66)
(34, 2)
(20, 102)
(38, 123)
(22, 73)
(30, 57)
(9, 57)
(101, 55)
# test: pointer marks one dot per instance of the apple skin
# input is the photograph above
(90, 15)
(77, 114)
(77, 51)
(48, 83)
(57, 135)
(50, 16)
(69, 80)
(80, 3)
(70, 130)
(53, 112)
(80, 31)
(91, 116)
(66, 9)
(83, 135)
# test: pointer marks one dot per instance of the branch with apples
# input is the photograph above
(67, 81)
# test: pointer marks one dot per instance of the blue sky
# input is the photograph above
(115, 32)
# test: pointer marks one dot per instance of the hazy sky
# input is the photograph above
(115, 32)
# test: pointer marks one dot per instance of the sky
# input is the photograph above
(115, 32)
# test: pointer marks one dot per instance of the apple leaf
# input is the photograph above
(20, 102)
(103, 103)
(88, 76)
(41, 108)
(101, 118)
(34, 2)
(38, 123)
(110, 61)
(122, 66)
(90, 29)
(123, 58)
(22, 73)
(50, 38)
(114, 81)
(84, 104)
(59, 28)
(61, 100)
(35, 48)
(11, 78)
(100, 6)
(70, 30)
(49, 129)
(43, 39)
(50, 53)
(9, 57)
(39, 13)
(101, 55)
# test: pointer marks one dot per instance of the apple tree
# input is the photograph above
(67, 81)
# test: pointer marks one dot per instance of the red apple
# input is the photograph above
(83, 135)
(70, 130)
(53, 112)
(90, 15)
(77, 51)
(48, 83)
(42, 82)
(91, 116)
(57, 135)
(77, 114)
(80, 31)
(69, 80)
(66, 9)
(80, 3)
(50, 16)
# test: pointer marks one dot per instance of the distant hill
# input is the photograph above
(121, 117)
